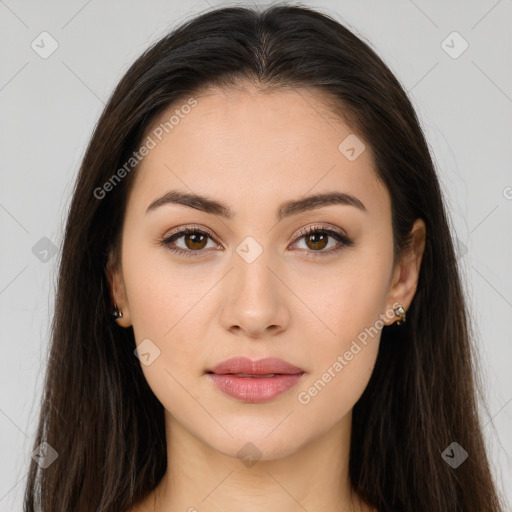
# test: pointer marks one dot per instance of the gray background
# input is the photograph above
(49, 107)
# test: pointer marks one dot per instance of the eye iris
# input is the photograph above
(195, 239)
(316, 236)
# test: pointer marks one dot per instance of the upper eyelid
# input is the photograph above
(185, 229)
(322, 227)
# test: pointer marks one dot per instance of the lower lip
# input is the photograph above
(255, 389)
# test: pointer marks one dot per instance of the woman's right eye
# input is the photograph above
(194, 240)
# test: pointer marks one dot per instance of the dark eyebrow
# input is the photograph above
(287, 209)
(317, 201)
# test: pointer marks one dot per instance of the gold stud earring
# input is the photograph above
(400, 312)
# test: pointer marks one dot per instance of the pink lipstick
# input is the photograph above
(255, 381)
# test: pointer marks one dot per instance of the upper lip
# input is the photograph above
(267, 365)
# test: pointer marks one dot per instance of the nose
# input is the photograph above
(255, 305)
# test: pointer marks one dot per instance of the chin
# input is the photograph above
(256, 443)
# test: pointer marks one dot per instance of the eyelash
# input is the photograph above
(344, 241)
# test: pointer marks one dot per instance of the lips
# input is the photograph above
(245, 367)
(254, 381)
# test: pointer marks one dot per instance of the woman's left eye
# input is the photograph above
(316, 239)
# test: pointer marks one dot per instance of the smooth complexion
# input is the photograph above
(299, 300)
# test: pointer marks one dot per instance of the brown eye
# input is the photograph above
(320, 241)
(195, 241)
(193, 244)
(317, 241)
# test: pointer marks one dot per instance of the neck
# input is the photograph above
(313, 477)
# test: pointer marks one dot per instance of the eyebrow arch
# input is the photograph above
(286, 209)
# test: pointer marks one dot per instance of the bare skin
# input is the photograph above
(252, 151)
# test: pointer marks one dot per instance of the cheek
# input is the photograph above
(349, 297)
(163, 296)
(331, 393)
(167, 307)
(349, 312)
(344, 352)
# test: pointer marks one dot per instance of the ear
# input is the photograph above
(406, 272)
(117, 289)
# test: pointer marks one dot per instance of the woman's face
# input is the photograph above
(253, 283)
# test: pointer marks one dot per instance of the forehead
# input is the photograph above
(254, 144)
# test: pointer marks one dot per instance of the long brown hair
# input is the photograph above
(98, 412)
